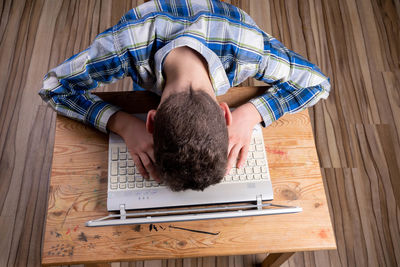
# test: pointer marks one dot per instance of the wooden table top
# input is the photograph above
(78, 193)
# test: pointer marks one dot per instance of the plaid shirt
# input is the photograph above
(234, 47)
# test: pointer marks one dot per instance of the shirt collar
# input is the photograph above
(217, 72)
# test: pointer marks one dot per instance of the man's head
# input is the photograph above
(190, 140)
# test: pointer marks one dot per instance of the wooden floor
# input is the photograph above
(357, 130)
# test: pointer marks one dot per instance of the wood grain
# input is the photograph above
(274, 260)
(355, 42)
(78, 190)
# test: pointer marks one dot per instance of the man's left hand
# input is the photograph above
(244, 118)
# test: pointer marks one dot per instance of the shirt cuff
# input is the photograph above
(99, 113)
(265, 111)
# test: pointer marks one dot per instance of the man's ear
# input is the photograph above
(227, 113)
(150, 121)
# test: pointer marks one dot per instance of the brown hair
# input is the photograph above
(190, 141)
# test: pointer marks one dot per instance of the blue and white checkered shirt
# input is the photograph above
(234, 47)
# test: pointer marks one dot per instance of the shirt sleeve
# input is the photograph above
(66, 87)
(296, 83)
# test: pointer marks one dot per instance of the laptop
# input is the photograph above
(128, 190)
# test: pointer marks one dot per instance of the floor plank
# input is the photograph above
(357, 130)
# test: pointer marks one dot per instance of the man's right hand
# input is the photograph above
(138, 141)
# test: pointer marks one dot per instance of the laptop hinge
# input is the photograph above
(192, 214)
(259, 202)
(122, 211)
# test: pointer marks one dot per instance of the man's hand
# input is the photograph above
(138, 141)
(244, 118)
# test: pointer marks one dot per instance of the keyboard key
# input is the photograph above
(264, 169)
(139, 185)
(258, 141)
(130, 163)
(257, 169)
(242, 177)
(131, 185)
(122, 171)
(264, 176)
(122, 178)
(129, 156)
(122, 164)
(251, 162)
(147, 184)
(131, 170)
(252, 148)
(131, 178)
(259, 147)
(260, 162)
(257, 176)
(122, 149)
(240, 171)
(113, 186)
(138, 178)
(228, 178)
(114, 179)
(248, 170)
(154, 184)
(114, 153)
(250, 177)
(114, 168)
(235, 178)
(258, 155)
(122, 186)
(122, 156)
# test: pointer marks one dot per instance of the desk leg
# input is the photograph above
(276, 259)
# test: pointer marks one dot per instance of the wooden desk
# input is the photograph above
(78, 193)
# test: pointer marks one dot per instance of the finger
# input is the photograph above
(230, 146)
(154, 173)
(139, 166)
(148, 164)
(242, 156)
(151, 167)
(151, 155)
(232, 157)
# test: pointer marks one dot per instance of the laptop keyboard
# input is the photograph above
(254, 168)
(123, 174)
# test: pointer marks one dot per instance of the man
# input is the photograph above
(188, 52)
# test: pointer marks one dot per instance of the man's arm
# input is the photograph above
(66, 87)
(296, 85)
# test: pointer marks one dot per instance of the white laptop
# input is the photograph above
(128, 190)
